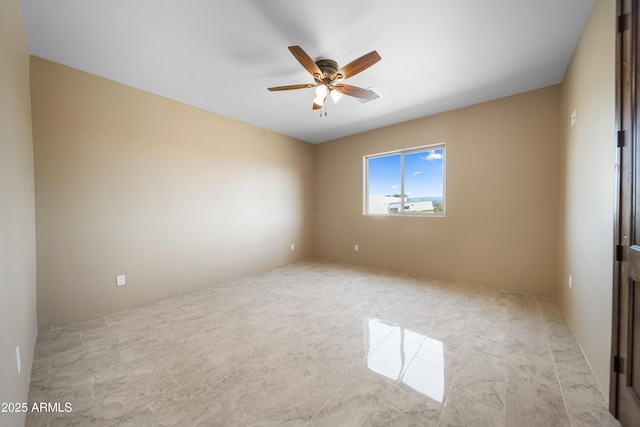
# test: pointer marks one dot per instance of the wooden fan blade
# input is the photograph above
(354, 67)
(356, 91)
(306, 61)
(290, 87)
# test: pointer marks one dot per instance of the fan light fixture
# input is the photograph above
(335, 95)
(321, 94)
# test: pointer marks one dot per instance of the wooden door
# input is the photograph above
(625, 366)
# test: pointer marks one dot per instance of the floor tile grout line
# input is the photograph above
(119, 354)
(555, 367)
(573, 333)
(169, 373)
(325, 403)
(453, 382)
(506, 358)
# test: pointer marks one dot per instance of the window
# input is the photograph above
(408, 182)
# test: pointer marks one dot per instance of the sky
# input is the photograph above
(423, 174)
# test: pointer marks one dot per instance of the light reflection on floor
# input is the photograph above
(407, 357)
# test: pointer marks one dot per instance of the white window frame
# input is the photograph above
(402, 153)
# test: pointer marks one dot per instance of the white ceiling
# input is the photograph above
(222, 55)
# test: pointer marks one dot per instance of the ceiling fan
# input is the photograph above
(328, 78)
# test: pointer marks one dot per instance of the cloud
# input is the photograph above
(433, 155)
(417, 173)
(394, 186)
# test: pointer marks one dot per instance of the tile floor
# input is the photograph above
(318, 343)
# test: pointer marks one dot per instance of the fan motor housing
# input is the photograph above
(328, 68)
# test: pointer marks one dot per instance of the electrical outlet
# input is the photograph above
(18, 359)
(356, 248)
(573, 117)
(120, 281)
(570, 281)
(293, 247)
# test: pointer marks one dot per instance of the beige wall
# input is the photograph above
(17, 214)
(501, 195)
(588, 188)
(171, 196)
